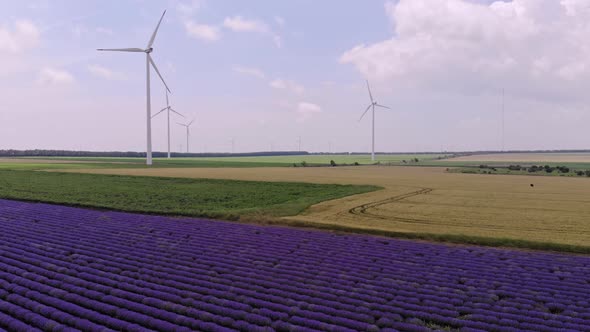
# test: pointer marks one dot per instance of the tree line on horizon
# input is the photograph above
(134, 154)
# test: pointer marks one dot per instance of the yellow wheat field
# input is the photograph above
(430, 200)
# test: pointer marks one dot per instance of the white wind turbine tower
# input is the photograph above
(372, 106)
(169, 109)
(148, 60)
(187, 126)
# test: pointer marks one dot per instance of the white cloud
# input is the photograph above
(255, 72)
(51, 76)
(287, 85)
(38, 5)
(190, 7)
(22, 36)
(105, 73)
(278, 41)
(78, 30)
(280, 21)
(171, 67)
(240, 24)
(536, 48)
(575, 7)
(202, 31)
(104, 30)
(306, 110)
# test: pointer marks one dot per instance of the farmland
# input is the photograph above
(429, 200)
(558, 157)
(67, 268)
(571, 160)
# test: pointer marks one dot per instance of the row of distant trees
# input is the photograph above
(546, 169)
(551, 169)
(132, 154)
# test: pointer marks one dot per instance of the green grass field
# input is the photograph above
(226, 199)
(68, 163)
(261, 161)
(325, 159)
(451, 163)
(34, 165)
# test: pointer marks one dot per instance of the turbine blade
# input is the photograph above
(182, 124)
(368, 108)
(162, 110)
(383, 106)
(167, 102)
(121, 49)
(190, 123)
(158, 72)
(370, 94)
(151, 42)
(173, 110)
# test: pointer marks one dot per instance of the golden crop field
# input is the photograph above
(557, 157)
(430, 200)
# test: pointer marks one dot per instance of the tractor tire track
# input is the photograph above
(364, 211)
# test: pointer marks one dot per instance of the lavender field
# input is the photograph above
(67, 269)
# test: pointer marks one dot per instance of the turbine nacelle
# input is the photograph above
(149, 50)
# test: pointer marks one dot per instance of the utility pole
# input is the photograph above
(503, 122)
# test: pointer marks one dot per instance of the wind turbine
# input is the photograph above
(169, 109)
(503, 121)
(187, 132)
(148, 60)
(372, 106)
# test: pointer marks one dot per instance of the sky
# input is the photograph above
(264, 73)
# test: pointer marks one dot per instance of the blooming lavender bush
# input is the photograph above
(68, 269)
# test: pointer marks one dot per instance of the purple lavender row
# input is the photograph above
(292, 279)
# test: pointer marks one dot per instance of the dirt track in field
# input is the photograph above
(430, 200)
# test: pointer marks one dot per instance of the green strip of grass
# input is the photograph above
(91, 163)
(259, 161)
(227, 199)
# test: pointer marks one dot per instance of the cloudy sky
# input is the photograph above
(266, 72)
